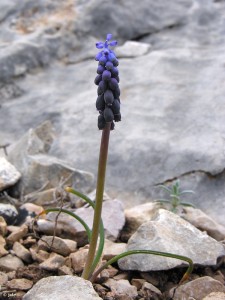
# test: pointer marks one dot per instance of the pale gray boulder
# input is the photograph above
(167, 232)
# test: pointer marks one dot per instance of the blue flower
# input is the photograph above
(108, 101)
(106, 50)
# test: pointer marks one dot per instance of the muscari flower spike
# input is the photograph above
(108, 100)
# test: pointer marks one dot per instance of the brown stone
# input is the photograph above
(64, 270)
(17, 234)
(20, 284)
(3, 278)
(58, 245)
(39, 255)
(54, 262)
(78, 260)
(3, 226)
(198, 288)
(10, 263)
(22, 252)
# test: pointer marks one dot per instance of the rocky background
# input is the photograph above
(172, 71)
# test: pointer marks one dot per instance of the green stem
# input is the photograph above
(166, 254)
(99, 199)
(102, 233)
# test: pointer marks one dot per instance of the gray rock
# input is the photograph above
(215, 295)
(8, 174)
(150, 16)
(17, 234)
(3, 251)
(168, 95)
(10, 263)
(112, 216)
(22, 252)
(61, 30)
(68, 227)
(39, 255)
(60, 246)
(168, 232)
(112, 249)
(121, 287)
(3, 226)
(3, 278)
(203, 222)
(8, 212)
(53, 262)
(40, 170)
(20, 284)
(64, 270)
(137, 215)
(132, 49)
(78, 260)
(199, 288)
(149, 289)
(62, 288)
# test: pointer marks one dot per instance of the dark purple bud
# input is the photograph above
(117, 117)
(101, 122)
(115, 72)
(115, 106)
(108, 114)
(102, 87)
(116, 93)
(108, 97)
(109, 65)
(103, 60)
(98, 78)
(100, 103)
(106, 75)
(117, 78)
(113, 84)
(100, 69)
(112, 126)
(116, 62)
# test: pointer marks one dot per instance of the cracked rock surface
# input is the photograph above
(172, 95)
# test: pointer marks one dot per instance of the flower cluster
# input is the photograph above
(108, 100)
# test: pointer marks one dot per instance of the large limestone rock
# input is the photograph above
(172, 97)
(124, 20)
(61, 288)
(167, 232)
(40, 170)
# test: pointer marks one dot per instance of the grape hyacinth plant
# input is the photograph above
(108, 100)
(108, 106)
